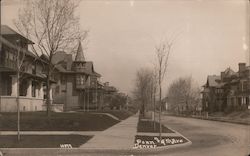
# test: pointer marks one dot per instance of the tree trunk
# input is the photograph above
(84, 101)
(48, 101)
(88, 100)
(160, 115)
(18, 106)
(154, 108)
(160, 105)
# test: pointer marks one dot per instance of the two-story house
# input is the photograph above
(78, 85)
(228, 91)
(32, 79)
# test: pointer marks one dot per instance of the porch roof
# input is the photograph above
(38, 76)
(10, 45)
(6, 69)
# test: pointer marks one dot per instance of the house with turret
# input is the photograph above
(78, 84)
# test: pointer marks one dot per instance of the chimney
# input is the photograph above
(242, 67)
(222, 75)
(106, 84)
(69, 61)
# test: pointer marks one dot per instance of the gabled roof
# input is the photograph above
(62, 56)
(229, 72)
(80, 55)
(213, 81)
(6, 30)
(90, 69)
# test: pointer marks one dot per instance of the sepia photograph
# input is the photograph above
(124, 77)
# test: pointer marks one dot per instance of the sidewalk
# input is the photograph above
(120, 136)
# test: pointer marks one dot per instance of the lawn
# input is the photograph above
(38, 121)
(43, 141)
(147, 126)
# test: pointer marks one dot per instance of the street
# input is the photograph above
(209, 138)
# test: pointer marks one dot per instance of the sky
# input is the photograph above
(211, 35)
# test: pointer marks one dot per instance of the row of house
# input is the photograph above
(228, 91)
(75, 83)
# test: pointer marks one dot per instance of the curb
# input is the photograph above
(163, 148)
(214, 119)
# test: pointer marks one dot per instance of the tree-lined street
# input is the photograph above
(130, 77)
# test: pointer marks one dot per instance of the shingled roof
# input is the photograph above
(6, 30)
(214, 81)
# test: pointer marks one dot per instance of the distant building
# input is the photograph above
(32, 78)
(228, 91)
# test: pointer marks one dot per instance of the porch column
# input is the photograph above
(50, 93)
(228, 101)
(248, 104)
(242, 101)
(235, 101)
(41, 94)
(14, 85)
(29, 89)
(37, 92)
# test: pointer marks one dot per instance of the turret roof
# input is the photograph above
(80, 55)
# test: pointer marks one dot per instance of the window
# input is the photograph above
(33, 69)
(245, 85)
(57, 90)
(63, 79)
(80, 79)
(33, 89)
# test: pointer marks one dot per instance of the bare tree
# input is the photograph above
(162, 54)
(144, 88)
(184, 95)
(53, 26)
(154, 85)
(20, 59)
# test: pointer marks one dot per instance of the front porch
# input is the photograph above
(31, 93)
(238, 101)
